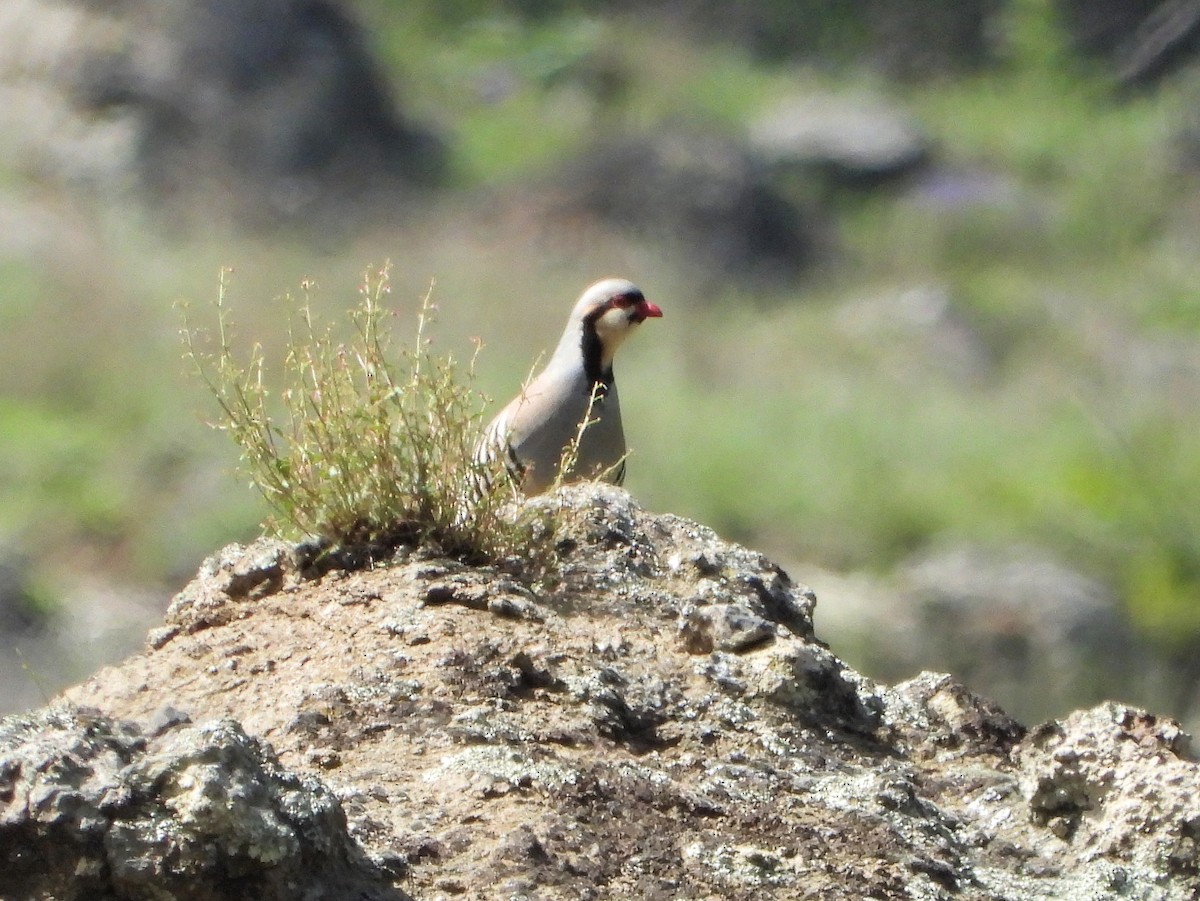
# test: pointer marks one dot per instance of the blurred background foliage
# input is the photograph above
(929, 271)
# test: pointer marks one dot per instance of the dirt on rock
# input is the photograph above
(659, 722)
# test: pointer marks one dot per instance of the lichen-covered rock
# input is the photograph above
(233, 574)
(671, 559)
(657, 722)
(1115, 783)
(91, 807)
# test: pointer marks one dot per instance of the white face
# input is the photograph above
(614, 327)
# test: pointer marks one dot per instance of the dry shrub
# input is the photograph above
(367, 447)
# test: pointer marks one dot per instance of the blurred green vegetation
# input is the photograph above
(1044, 390)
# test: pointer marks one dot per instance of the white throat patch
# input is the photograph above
(612, 328)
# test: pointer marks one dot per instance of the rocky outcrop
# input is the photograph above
(660, 721)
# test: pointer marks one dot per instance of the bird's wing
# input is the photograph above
(493, 445)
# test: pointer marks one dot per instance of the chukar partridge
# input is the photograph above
(531, 433)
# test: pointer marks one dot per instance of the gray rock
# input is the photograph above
(921, 325)
(1020, 621)
(722, 627)
(233, 574)
(931, 38)
(1091, 776)
(849, 138)
(92, 808)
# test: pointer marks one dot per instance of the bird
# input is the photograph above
(532, 433)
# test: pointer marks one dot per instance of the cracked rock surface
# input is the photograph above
(93, 808)
(661, 722)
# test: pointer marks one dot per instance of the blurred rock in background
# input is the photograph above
(270, 111)
(703, 195)
(1037, 634)
(849, 138)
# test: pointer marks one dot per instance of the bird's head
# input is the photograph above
(607, 313)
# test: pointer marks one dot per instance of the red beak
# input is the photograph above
(649, 310)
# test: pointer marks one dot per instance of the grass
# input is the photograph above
(365, 453)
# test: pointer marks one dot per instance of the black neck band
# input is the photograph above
(593, 354)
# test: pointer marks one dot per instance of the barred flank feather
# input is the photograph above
(493, 446)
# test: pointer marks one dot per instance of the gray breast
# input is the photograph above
(540, 447)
